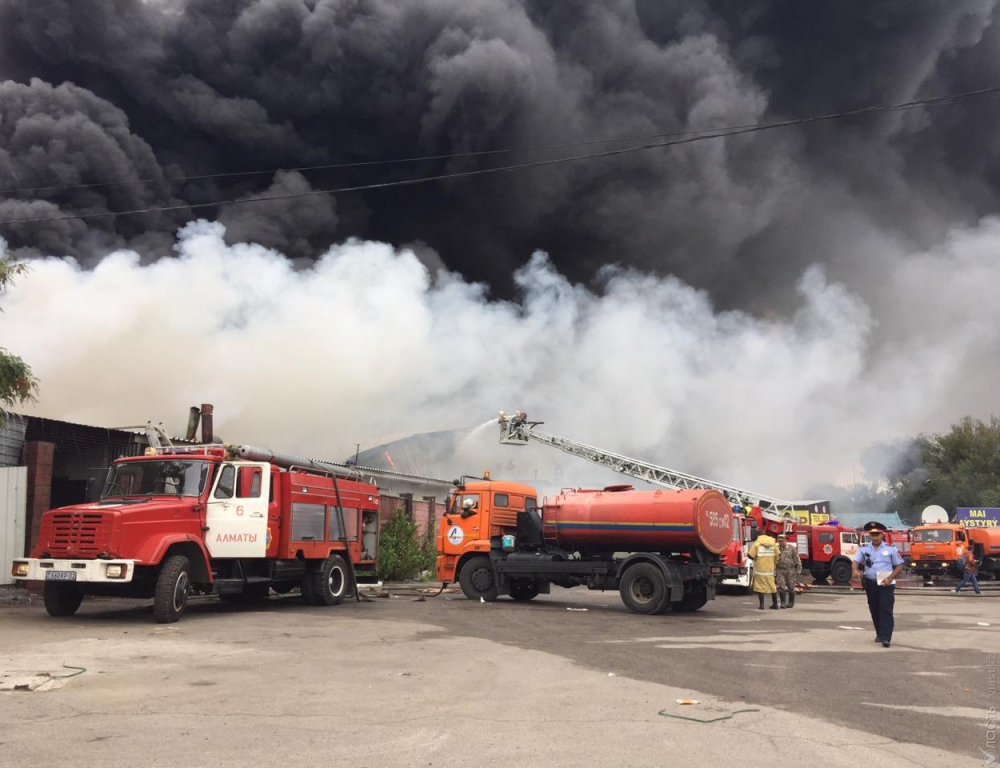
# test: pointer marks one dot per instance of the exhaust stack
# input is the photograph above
(207, 433)
(194, 416)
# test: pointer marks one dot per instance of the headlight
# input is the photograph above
(117, 571)
(19, 569)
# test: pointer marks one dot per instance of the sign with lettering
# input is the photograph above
(978, 517)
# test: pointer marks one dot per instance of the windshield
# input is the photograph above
(155, 478)
(932, 535)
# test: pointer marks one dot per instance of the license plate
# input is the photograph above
(60, 575)
(715, 569)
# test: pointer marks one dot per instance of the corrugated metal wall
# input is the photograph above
(12, 440)
(13, 513)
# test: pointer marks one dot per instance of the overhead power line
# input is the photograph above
(453, 155)
(366, 163)
(687, 139)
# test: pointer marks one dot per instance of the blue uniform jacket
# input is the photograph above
(884, 559)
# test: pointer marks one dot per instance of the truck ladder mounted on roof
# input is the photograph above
(517, 430)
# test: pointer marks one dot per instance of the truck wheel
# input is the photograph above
(819, 575)
(693, 599)
(840, 572)
(306, 588)
(524, 589)
(477, 579)
(172, 588)
(62, 599)
(643, 589)
(330, 581)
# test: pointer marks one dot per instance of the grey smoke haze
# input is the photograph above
(775, 302)
(366, 344)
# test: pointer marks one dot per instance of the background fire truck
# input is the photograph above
(827, 550)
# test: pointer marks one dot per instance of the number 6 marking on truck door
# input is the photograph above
(239, 510)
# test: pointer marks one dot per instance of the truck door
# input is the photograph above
(237, 510)
(466, 516)
(848, 544)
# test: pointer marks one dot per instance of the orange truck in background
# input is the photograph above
(935, 549)
(659, 548)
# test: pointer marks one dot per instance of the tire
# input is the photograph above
(693, 600)
(477, 579)
(840, 572)
(306, 588)
(819, 575)
(173, 586)
(644, 589)
(62, 599)
(330, 581)
(523, 590)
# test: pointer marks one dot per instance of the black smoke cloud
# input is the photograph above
(126, 90)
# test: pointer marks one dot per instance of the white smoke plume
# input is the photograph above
(366, 343)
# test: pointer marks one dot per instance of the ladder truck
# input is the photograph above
(769, 514)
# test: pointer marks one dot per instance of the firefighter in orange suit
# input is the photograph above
(764, 553)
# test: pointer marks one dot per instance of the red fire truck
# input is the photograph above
(209, 519)
(827, 550)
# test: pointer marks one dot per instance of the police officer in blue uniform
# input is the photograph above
(882, 564)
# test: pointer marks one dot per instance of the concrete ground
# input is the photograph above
(449, 682)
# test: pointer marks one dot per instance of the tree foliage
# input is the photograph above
(958, 469)
(402, 552)
(17, 384)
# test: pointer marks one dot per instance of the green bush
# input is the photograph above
(402, 554)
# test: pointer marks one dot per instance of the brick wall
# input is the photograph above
(424, 512)
(38, 458)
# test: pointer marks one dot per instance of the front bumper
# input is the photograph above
(86, 571)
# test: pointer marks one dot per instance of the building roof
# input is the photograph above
(858, 519)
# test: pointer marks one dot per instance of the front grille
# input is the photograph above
(77, 533)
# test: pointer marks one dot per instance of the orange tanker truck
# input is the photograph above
(660, 549)
(935, 549)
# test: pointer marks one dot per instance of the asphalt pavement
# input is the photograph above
(568, 679)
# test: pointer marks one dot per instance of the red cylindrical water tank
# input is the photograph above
(621, 519)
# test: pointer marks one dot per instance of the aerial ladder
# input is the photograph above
(776, 513)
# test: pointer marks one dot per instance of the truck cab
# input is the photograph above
(935, 549)
(827, 550)
(477, 511)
